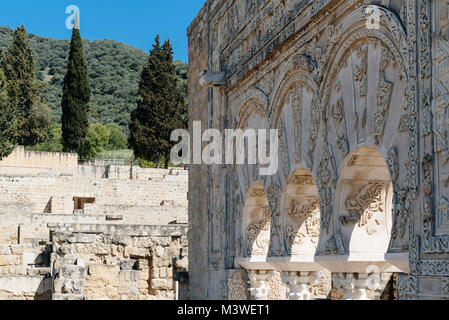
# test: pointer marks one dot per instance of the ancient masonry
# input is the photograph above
(91, 232)
(359, 208)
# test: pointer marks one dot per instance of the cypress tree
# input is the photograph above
(159, 107)
(7, 121)
(76, 96)
(32, 116)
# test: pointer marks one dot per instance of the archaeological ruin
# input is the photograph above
(80, 232)
(359, 207)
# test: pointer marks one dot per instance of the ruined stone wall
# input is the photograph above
(29, 203)
(119, 262)
(19, 278)
(40, 192)
(30, 162)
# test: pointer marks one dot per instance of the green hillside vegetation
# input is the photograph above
(114, 72)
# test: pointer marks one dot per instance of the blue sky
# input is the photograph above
(134, 22)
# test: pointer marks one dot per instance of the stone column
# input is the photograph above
(299, 284)
(359, 286)
(259, 282)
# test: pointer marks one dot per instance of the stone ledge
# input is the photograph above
(128, 230)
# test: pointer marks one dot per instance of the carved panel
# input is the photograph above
(428, 195)
(237, 286)
(313, 131)
(367, 209)
(258, 234)
(283, 149)
(296, 100)
(384, 93)
(407, 287)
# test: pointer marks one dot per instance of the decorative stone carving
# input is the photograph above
(258, 193)
(313, 130)
(367, 208)
(310, 229)
(333, 246)
(274, 196)
(384, 92)
(446, 181)
(435, 244)
(299, 284)
(296, 100)
(343, 145)
(338, 111)
(360, 74)
(258, 244)
(445, 285)
(275, 291)
(403, 122)
(412, 104)
(428, 213)
(360, 286)
(427, 111)
(302, 180)
(311, 207)
(237, 287)
(424, 23)
(283, 149)
(259, 284)
(407, 287)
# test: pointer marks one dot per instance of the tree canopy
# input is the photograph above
(76, 97)
(24, 99)
(160, 106)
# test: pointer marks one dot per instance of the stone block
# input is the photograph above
(162, 262)
(99, 269)
(5, 250)
(17, 250)
(162, 284)
(163, 272)
(129, 276)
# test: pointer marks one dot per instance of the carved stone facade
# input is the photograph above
(362, 112)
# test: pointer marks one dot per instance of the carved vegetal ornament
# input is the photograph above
(367, 208)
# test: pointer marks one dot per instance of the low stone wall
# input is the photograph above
(119, 262)
(20, 279)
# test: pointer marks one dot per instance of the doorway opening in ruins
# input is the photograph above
(80, 202)
(365, 203)
(301, 207)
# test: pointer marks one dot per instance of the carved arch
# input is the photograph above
(362, 94)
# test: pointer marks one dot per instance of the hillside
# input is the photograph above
(114, 70)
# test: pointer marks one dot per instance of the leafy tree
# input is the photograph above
(117, 139)
(32, 116)
(96, 141)
(54, 143)
(76, 96)
(7, 121)
(159, 109)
